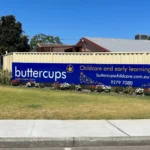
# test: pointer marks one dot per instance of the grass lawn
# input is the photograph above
(21, 103)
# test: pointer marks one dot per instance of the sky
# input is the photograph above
(73, 19)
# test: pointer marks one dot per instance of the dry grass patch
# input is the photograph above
(21, 103)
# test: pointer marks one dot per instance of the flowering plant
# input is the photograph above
(65, 86)
(147, 92)
(139, 91)
(56, 85)
(103, 88)
(106, 89)
(78, 88)
(92, 88)
(99, 88)
(37, 85)
(32, 84)
(28, 84)
(15, 82)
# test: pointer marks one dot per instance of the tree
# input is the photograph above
(23, 45)
(11, 35)
(42, 38)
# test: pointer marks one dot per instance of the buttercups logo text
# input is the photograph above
(30, 73)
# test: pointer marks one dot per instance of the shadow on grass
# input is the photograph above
(34, 106)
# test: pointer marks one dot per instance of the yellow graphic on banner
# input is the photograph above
(70, 69)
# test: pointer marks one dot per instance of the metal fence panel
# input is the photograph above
(61, 57)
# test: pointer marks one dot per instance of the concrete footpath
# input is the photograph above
(73, 133)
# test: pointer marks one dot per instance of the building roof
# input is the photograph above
(121, 45)
(53, 45)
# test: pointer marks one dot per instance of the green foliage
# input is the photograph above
(23, 46)
(129, 90)
(42, 38)
(42, 85)
(72, 87)
(5, 77)
(11, 37)
(117, 89)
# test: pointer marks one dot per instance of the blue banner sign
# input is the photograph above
(91, 74)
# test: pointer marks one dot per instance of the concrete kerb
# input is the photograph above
(112, 141)
(35, 142)
(72, 142)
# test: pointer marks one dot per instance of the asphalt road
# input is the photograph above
(87, 148)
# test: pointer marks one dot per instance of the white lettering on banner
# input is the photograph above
(35, 74)
(29, 73)
(45, 73)
(57, 75)
(17, 72)
(64, 75)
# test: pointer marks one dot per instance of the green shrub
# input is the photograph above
(85, 86)
(5, 77)
(129, 90)
(118, 89)
(72, 87)
(42, 85)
